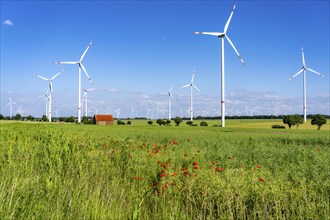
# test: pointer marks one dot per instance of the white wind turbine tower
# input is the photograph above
(49, 115)
(81, 66)
(170, 99)
(10, 104)
(118, 112)
(191, 85)
(303, 69)
(46, 98)
(133, 111)
(223, 35)
(85, 99)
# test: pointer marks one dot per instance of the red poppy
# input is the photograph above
(174, 174)
(261, 179)
(219, 169)
(258, 166)
(195, 163)
(183, 169)
(130, 155)
(198, 151)
(163, 175)
(195, 167)
(214, 163)
(186, 173)
(138, 178)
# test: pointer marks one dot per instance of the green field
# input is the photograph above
(244, 171)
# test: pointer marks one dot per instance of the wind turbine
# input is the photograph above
(81, 66)
(20, 110)
(118, 112)
(303, 69)
(50, 92)
(191, 85)
(85, 99)
(46, 98)
(170, 99)
(223, 35)
(133, 111)
(10, 104)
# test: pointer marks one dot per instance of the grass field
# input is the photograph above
(244, 171)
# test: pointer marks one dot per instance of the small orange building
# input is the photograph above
(103, 119)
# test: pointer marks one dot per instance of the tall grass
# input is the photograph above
(77, 172)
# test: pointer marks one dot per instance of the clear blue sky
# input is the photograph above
(142, 48)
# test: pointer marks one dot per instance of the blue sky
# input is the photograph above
(141, 48)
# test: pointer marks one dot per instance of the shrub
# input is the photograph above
(129, 123)
(193, 125)
(160, 122)
(177, 121)
(119, 122)
(150, 122)
(168, 122)
(278, 126)
(189, 123)
(203, 123)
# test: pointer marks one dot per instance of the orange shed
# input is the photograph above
(103, 119)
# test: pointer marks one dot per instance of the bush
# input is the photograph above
(119, 122)
(150, 122)
(189, 123)
(71, 119)
(168, 122)
(177, 121)
(278, 126)
(193, 125)
(129, 123)
(203, 123)
(160, 122)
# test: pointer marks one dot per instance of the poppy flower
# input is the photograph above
(163, 175)
(130, 154)
(138, 178)
(195, 163)
(195, 167)
(261, 179)
(258, 166)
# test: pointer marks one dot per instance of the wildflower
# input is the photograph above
(138, 178)
(198, 151)
(130, 154)
(174, 174)
(154, 185)
(214, 163)
(195, 167)
(258, 166)
(163, 175)
(183, 169)
(195, 163)
(261, 179)
(186, 173)
(219, 169)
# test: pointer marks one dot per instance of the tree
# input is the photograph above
(293, 120)
(318, 120)
(71, 119)
(18, 117)
(44, 118)
(30, 118)
(86, 120)
(150, 122)
(1, 116)
(177, 121)
(129, 123)
(160, 122)
(168, 122)
(189, 123)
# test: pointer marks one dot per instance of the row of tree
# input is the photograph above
(297, 120)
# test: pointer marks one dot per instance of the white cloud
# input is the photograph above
(8, 22)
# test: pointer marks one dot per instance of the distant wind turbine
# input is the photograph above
(223, 35)
(49, 115)
(191, 85)
(303, 69)
(46, 98)
(118, 112)
(10, 104)
(170, 99)
(133, 111)
(81, 66)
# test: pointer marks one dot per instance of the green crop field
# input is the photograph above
(244, 171)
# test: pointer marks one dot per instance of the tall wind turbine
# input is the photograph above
(10, 104)
(118, 112)
(170, 99)
(223, 35)
(46, 98)
(191, 85)
(49, 115)
(81, 66)
(85, 99)
(303, 70)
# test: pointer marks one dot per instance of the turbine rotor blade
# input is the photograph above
(171, 88)
(82, 56)
(217, 34)
(171, 96)
(192, 78)
(41, 77)
(196, 88)
(83, 68)
(185, 86)
(56, 75)
(296, 74)
(315, 72)
(231, 43)
(303, 57)
(66, 62)
(229, 19)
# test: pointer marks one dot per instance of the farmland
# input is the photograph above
(244, 171)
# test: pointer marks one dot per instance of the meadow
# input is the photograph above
(244, 171)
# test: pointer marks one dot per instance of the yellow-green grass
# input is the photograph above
(72, 171)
